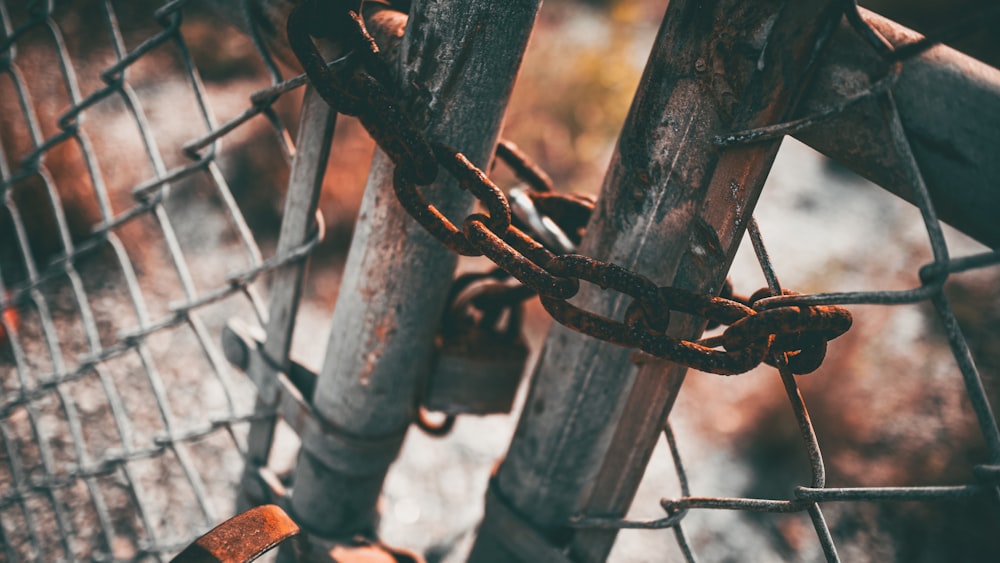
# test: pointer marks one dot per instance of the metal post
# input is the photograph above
(298, 225)
(457, 63)
(674, 208)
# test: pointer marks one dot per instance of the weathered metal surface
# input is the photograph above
(772, 96)
(457, 62)
(674, 208)
(242, 538)
(477, 371)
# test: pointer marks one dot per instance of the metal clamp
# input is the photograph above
(352, 455)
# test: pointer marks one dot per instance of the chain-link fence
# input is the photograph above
(126, 247)
(123, 250)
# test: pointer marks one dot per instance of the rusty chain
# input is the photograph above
(362, 88)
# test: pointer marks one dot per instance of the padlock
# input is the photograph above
(478, 366)
(476, 373)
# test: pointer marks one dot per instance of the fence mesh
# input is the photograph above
(124, 249)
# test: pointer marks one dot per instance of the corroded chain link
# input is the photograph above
(361, 87)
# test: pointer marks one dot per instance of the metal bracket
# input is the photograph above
(292, 401)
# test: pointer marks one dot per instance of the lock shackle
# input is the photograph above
(489, 293)
(456, 317)
(491, 299)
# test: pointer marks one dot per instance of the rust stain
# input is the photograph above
(384, 331)
(371, 360)
(11, 318)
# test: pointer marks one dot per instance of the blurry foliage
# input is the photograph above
(574, 91)
(220, 51)
(975, 298)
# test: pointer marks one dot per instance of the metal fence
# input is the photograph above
(124, 429)
(123, 425)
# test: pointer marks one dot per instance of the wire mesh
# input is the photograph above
(123, 250)
(810, 498)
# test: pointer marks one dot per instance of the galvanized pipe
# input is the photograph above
(935, 92)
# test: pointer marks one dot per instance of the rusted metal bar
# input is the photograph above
(673, 207)
(457, 63)
(949, 104)
(962, 176)
(242, 538)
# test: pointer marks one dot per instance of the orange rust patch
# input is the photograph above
(384, 329)
(242, 538)
(12, 319)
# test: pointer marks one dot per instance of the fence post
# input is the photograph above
(673, 207)
(457, 63)
(298, 224)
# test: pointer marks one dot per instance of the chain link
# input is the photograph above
(751, 337)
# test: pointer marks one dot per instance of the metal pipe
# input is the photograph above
(962, 176)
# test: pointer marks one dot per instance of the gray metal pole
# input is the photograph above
(674, 208)
(950, 107)
(297, 227)
(859, 139)
(457, 63)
